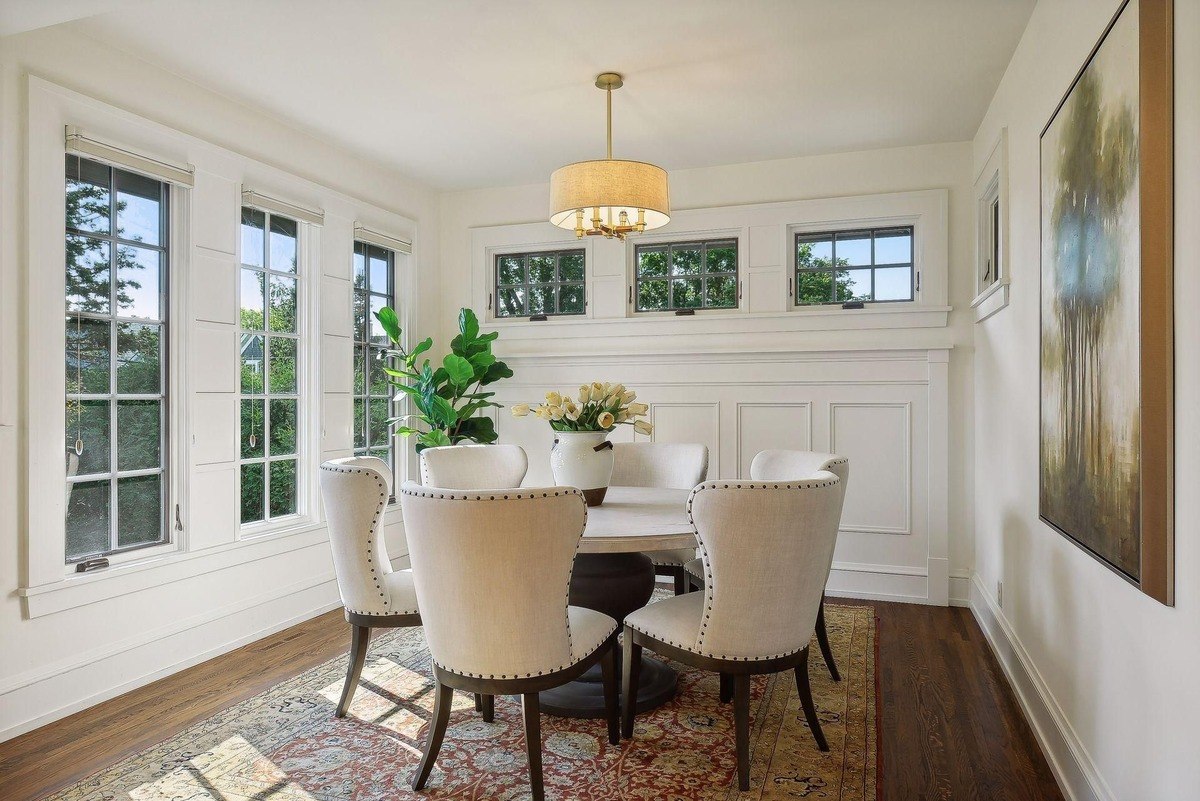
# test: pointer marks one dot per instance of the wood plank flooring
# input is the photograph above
(951, 727)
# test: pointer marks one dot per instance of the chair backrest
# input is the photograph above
(355, 492)
(780, 465)
(491, 571)
(474, 466)
(668, 465)
(767, 549)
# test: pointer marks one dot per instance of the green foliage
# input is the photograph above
(447, 399)
(827, 286)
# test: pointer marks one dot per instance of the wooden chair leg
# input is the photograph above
(681, 582)
(741, 727)
(533, 743)
(823, 641)
(630, 676)
(726, 687)
(488, 707)
(360, 638)
(443, 699)
(608, 669)
(478, 702)
(806, 701)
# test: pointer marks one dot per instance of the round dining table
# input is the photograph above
(613, 575)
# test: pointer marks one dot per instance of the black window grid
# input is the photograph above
(372, 440)
(833, 237)
(114, 320)
(527, 286)
(706, 273)
(268, 393)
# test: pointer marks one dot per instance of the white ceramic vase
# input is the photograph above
(583, 459)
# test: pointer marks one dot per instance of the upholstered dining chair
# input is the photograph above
(515, 637)
(474, 466)
(781, 465)
(767, 548)
(669, 466)
(355, 492)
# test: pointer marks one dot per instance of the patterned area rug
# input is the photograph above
(285, 744)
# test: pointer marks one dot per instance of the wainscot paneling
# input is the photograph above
(878, 407)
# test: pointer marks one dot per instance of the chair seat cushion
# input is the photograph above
(695, 568)
(675, 621)
(673, 558)
(400, 589)
(588, 630)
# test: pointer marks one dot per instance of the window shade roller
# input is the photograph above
(371, 237)
(277, 206)
(80, 144)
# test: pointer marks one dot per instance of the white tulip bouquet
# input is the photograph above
(601, 407)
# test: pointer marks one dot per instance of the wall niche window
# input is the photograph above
(269, 355)
(686, 275)
(873, 265)
(374, 288)
(549, 283)
(116, 372)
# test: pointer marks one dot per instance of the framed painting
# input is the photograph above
(1106, 477)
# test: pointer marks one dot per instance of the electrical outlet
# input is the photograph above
(1000, 593)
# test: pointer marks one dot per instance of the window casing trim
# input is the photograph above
(490, 280)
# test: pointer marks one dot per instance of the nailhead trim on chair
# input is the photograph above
(523, 675)
(515, 496)
(333, 468)
(698, 646)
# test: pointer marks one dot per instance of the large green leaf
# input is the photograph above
(422, 346)
(468, 324)
(458, 369)
(388, 318)
(481, 360)
(442, 412)
(478, 429)
(496, 371)
(432, 439)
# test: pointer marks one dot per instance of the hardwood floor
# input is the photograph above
(951, 727)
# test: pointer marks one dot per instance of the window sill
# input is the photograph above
(891, 316)
(81, 589)
(990, 301)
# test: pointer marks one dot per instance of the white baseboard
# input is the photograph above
(1069, 760)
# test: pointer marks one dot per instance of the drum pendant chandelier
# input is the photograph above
(609, 197)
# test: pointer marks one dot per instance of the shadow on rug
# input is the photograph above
(285, 743)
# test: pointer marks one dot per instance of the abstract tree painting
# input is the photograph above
(1092, 305)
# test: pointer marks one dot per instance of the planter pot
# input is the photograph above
(583, 459)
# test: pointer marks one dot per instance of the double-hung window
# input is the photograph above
(686, 275)
(269, 355)
(374, 288)
(869, 266)
(116, 378)
(547, 283)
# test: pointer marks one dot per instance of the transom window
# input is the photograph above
(374, 288)
(872, 266)
(116, 336)
(270, 367)
(547, 283)
(687, 275)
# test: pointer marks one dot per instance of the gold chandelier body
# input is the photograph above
(609, 197)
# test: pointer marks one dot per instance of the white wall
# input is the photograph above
(54, 663)
(1108, 675)
(718, 382)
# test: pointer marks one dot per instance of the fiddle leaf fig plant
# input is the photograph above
(449, 397)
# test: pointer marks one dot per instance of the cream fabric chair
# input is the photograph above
(514, 635)
(355, 492)
(666, 465)
(474, 466)
(782, 465)
(767, 547)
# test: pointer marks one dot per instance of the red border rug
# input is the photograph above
(286, 744)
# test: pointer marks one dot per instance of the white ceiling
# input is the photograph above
(471, 93)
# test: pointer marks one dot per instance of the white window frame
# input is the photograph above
(991, 186)
(528, 238)
(867, 224)
(632, 243)
(307, 434)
